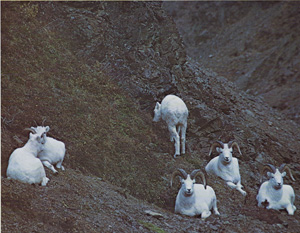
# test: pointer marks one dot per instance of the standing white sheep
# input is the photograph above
(225, 166)
(273, 193)
(174, 112)
(53, 152)
(23, 164)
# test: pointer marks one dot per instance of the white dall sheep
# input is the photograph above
(194, 199)
(174, 112)
(23, 164)
(225, 166)
(273, 194)
(54, 150)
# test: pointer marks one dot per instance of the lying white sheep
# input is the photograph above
(273, 193)
(194, 199)
(54, 150)
(175, 113)
(225, 166)
(23, 164)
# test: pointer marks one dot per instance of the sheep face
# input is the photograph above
(225, 150)
(41, 131)
(157, 112)
(276, 179)
(187, 185)
(225, 153)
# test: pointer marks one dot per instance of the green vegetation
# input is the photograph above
(152, 227)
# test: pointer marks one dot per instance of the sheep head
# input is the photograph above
(225, 150)
(36, 141)
(157, 112)
(40, 131)
(276, 175)
(188, 180)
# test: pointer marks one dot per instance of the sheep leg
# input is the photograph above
(58, 165)
(183, 132)
(215, 208)
(205, 214)
(237, 186)
(44, 181)
(49, 165)
(175, 137)
(291, 209)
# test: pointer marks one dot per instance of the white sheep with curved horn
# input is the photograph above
(225, 166)
(174, 112)
(53, 152)
(273, 194)
(23, 164)
(194, 199)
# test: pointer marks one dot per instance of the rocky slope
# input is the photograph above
(254, 44)
(94, 71)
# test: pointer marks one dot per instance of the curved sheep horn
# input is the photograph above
(178, 172)
(30, 129)
(35, 123)
(214, 145)
(268, 167)
(284, 167)
(43, 121)
(196, 173)
(232, 144)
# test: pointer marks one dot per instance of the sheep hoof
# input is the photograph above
(244, 193)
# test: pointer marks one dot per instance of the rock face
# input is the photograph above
(94, 70)
(254, 44)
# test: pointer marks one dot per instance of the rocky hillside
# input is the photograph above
(93, 71)
(253, 44)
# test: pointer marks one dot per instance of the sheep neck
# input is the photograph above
(31, 147)
(275, 194)
(187, 201)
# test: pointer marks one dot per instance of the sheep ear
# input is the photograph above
(270, 174)
(30, 135)
(218, 149)
(47, 129)
(283, 174)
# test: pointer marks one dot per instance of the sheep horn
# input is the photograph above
(214, 145)
(178, 172)
(284, 167)
(196, 173)
(30, 129)
(232, 144)
(268, 167)
(43, 121)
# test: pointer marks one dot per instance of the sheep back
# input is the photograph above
(173, 110)
(54, 151)
(25, 168)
